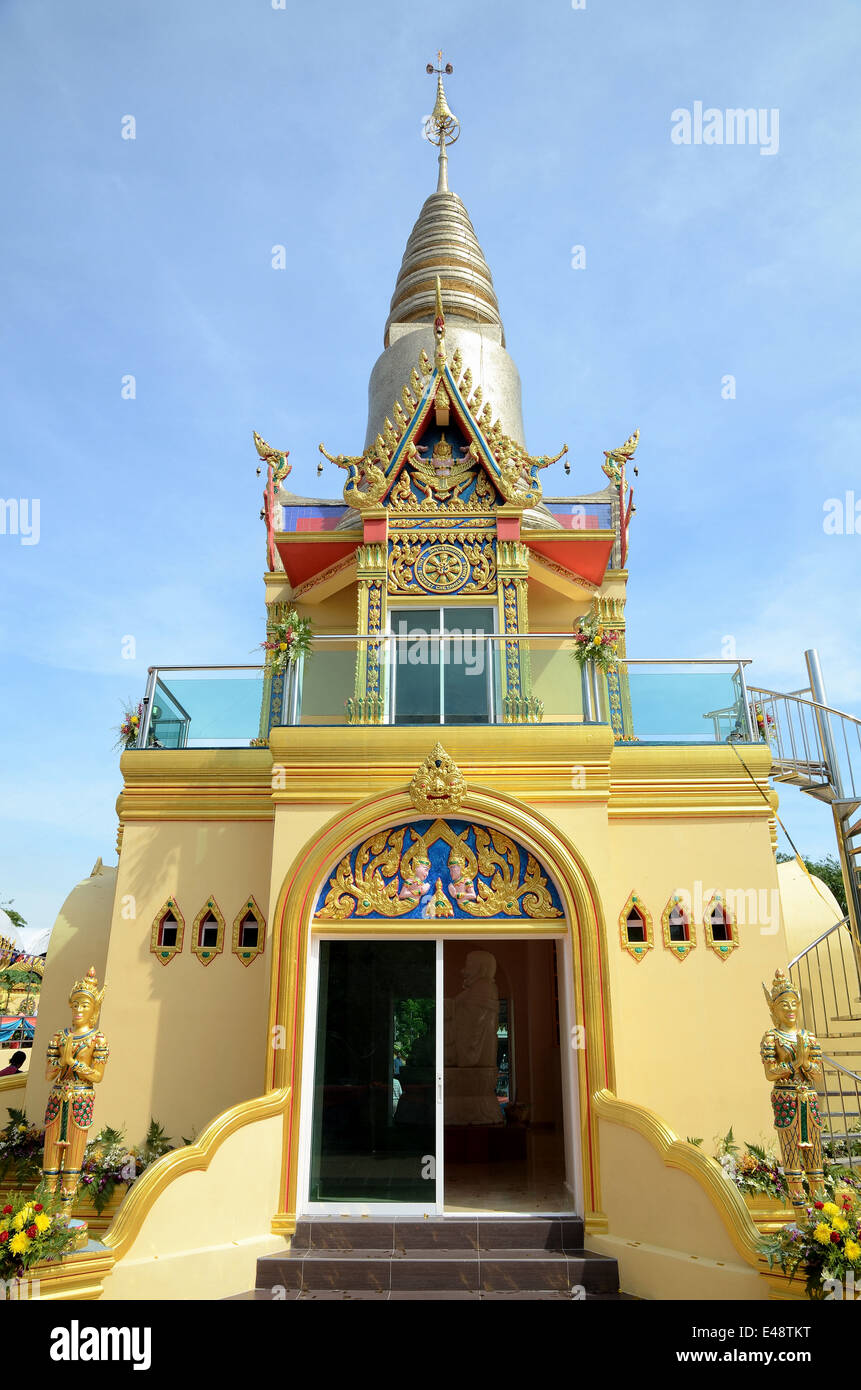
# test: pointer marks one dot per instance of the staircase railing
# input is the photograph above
(840, 1104)
(827, 977)
(818, 749)
(802, 735)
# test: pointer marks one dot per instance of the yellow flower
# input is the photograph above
(831, 1209)
(853, 1250)
(22, 1219)
(20, 1244)
(282, 646)
(822, 1233)
(840, 1223)
(42, 1222)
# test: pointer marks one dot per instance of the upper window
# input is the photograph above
(208, 933)
(635, 927)
(721, 930)
(678, 934)
(249, 932)
(167, 932)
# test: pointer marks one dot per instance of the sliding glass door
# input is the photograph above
(377, 1078)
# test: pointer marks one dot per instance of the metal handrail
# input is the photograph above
(150, 669)
(486, 636)
(844, 922)
(800, 700)
(838, 1066)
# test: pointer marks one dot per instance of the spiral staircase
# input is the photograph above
(818, 749)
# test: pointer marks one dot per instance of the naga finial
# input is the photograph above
(439, 329)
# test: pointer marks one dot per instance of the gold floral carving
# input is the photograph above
(403, 499)
(364, 889)
(438, 784)
(453, 561)
(499, 858)
(389, 881)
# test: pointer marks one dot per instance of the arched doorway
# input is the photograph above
(494, 872)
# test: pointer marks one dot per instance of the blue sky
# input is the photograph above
(257, 127)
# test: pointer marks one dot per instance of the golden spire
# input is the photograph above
(442, 126)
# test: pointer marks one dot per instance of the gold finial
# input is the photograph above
(442, 126)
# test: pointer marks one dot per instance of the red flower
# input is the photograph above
(32, 1232)
(819, 1205)
(835, 1237)
(37, 1206)
(4, 1236)
(7, 1211)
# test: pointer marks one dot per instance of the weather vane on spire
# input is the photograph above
(442, 126)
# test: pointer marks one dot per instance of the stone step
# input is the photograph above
(461, 1270)
(419, 1295)
(455, 1234)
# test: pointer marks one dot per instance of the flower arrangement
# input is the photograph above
(108, 1160)
(751, 1168)
(594, 643)
(289, 640)
(128, 730)
(21, 1147)
(764, 722)
(31, 1231)
(828, 1242)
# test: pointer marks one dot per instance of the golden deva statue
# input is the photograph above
(76, 1061)
(792, 1059)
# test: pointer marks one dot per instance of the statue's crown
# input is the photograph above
(781, 985)
(89, 985)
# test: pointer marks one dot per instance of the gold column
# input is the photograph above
(369, 703)
(519, 706)
(611, 611)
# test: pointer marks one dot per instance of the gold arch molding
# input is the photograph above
(583, 922)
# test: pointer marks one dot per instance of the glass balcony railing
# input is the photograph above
(428, 678)
(202, 706)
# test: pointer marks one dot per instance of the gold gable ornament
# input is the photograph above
(438, 784)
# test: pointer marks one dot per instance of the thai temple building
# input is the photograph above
(447, 926)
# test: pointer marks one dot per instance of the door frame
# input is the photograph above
(573, 1174)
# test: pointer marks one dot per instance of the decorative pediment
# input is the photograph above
(439, 868)
(407, 471)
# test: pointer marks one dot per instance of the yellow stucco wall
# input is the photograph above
(187, 1040)
(665, 1230)
(202, 1236)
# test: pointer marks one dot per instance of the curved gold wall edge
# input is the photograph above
(13, 1083)
(126, 1226)
(584, 922)
(677, 1153)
